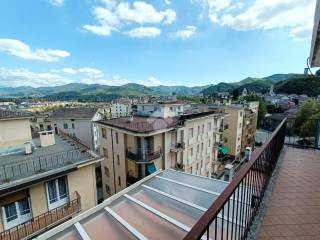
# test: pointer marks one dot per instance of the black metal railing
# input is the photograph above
(178, 146)
(144, 155)
(300, 133)
(37, 224)
(233, 212)
(37, 164)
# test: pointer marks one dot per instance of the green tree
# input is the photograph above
(305, 123)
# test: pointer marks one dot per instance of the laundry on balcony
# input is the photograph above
(223, 149)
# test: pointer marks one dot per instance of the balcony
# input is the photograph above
(143, 155)
(177, 147)
(42, 222)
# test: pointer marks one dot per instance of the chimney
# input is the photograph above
(28, 148)
(47, 138)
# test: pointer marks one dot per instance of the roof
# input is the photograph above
(140, 124)
(144, 124)
(315, 51)
(74, 113)
(6, 114)
(164, 205)
(17, 168)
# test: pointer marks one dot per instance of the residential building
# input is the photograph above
(233, 128)
(14, 129)
(43, 181)
(40, 122)
(78, 122)
(134, 147)
(115, 110)
(250, 122)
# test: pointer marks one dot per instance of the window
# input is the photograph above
(104, 133)
(240, 125)
(202, 128)
(190, 132)
(191, 152)
(65, 126)
(117, 138)
(209, 126)
(107, 188)
(197, 148)
(119, 181)
(209, 143)
(57, 192)
(106, 171)
(105, 152)
(11, 212)
(16, 213)
(118, 160)
(201, 146)
(73, 126)
(241, 114)
(198, 130)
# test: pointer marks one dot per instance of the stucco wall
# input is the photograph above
(234, 132)
(84, 182)
(38, 196)
(83, 129)
(14, 132)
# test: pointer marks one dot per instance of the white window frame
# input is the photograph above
(59, 200)
(20, 217)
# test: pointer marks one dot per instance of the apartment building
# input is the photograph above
(77, 122)
(134, 147)
(40, 122)
(115, 110)
(233, 127)
(44, 180)
(250, 122)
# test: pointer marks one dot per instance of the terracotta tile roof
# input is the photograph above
(6, 114)
(142, 124)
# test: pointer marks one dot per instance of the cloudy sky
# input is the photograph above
(151, 42)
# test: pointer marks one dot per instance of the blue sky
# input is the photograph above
(170, 42)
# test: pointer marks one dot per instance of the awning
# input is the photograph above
(151, 168)
(224, 150)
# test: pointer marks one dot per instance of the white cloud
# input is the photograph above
(56, 2)
(25, 77)
(144, 32)
(294, 15)
(185, 33)
(19, 49)
(168, 2)
(114, 17)
(69, 70)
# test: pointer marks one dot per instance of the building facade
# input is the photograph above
(43, 181)
(134, 147)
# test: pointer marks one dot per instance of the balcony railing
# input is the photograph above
(144, 155)
(44, 221)
(239, 203)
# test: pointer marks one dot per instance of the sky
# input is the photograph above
(151, 42)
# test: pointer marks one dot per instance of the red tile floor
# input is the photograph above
(294, 208)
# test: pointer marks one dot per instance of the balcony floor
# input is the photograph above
(293, 211)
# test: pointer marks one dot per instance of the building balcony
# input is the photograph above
(38, 224)
(177, 147)
(144, 156)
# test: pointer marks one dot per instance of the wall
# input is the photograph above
(38, 196)
(83, 129)
(14, 132)
(233, 134)
(84, 182)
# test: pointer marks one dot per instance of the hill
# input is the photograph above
(308, 85)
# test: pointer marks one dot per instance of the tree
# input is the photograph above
(262, 106)
(306, 120)
(235, 94)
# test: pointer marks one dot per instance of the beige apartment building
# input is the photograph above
(44, 180)
(233, 126)
(250, 122)
(158, 137)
